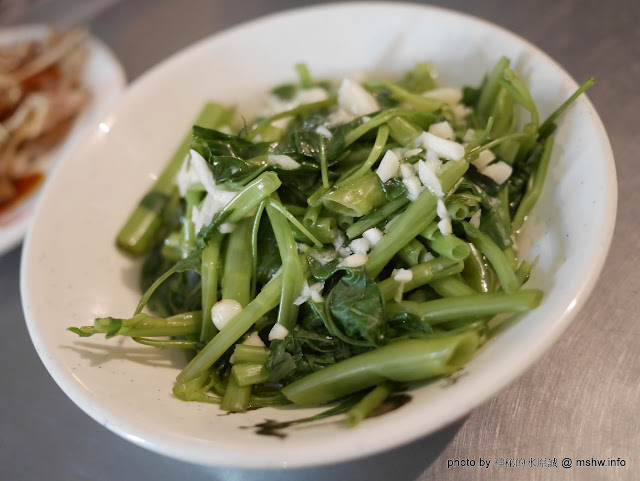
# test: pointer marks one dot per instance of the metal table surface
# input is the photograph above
(579, 401)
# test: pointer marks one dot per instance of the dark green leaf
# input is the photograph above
(470, 96)
(213, 143)
(285, 91)
(232, 169)
(297, 186)
(406, 324)
(485, 183)
(179, 293)
(280, 362)
(520, 176)
(394, 189)
(385, 99)
(175, 287)
(303, 352)
(323, 262)
(517, 188)
(492, 222)
(357, 306)
(310, 143)
(269, 261)
(233, 158)
(310, 317)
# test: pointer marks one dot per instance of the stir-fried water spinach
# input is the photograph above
(352, 239)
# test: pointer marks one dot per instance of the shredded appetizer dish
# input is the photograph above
(353, 239)
(41, 93)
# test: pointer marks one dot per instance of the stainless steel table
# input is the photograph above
(580, 401)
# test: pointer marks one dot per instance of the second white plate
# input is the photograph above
(105, 78)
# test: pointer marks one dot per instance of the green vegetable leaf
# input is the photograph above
(303, 352)
(232, 169)
(394, 189)
(323, 262)
(311, 143)
(485, 183)
(191, 263)
(280, 362)
(269, 261)
(212, 143)
(406, 324)
(357, 305)
(231, 158)
(470, 96)
(285, 91)
(235, 159)
(492, 221)
(178, 293)
(420, 78)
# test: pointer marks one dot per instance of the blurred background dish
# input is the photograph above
(54, 83)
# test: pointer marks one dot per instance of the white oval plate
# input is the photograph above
(105, 77)
(72, 272)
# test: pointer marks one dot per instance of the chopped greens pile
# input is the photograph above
(352, 239)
